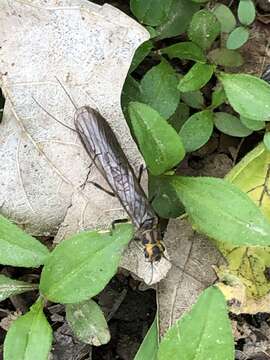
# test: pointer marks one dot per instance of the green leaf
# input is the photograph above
(248, 95)
(230, 125)
(225, 17)
(196, 77)
(197, 130)
(158, 141)
(159, 89)
(179, 117)
(221, 211)
(9, 287)
(18, 248)
(29, 337)
(225, 57)
(149, 346)
(178, 19)
(266, 140)
(131, 92)
(203, 333)
(165, 201)
(140, 54)
(185, 50)
(80, 267)
(193, 99)
(152, 12)
(237, 38)
(218, 97)
(252, 124)
(88, 323)
(246, 12)
(204, 28)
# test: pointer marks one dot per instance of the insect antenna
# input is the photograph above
(67, 93)
(53, 117)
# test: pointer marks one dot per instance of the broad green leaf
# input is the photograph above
(178, 19)
(158, 141)
(196, 77)
(17, 248)
(237, 38)
(180, 116)
(204, 28)
(80, 267)
(163, 198)
(218, 97)
(221, 211)
(131, 92)
(266, 140)
(225, 17)
(197, 130)
(230, 125)
(225, 57)
(203, 333)
(140, 54)
(10, 287)
(252, 124)
(185, 50)
(149, 346)
(88, 323)
(193, 99)
(159, 89)
(246, 12)
(29, 337)
(248, 95)
(152, 12)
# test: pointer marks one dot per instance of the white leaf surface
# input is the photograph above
(43, 165)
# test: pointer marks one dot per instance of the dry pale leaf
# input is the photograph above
(43, 168)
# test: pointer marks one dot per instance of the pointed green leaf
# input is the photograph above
(204, 28)
(159, 89)
(225, 17)
(10, 287)
(80, 267)
(185, 50)
(237, 38)
(225, 57)
(18, 248)
(203, 333)
(246, 12)
(193, 99)
(149, 346)
(197, 130)
(222, 211)
(158, 141)
(131, 92)
(140, 54)
(29, 337)
(230, 125)
(165, 200)
(88, 323)
(218, 97)
(248, 95)
(152, 12)
(196, 77)
(178, 19)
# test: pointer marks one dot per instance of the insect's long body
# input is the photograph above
(106, 153)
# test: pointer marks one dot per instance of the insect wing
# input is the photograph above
(104, 149)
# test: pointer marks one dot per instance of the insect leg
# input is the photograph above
(141, 169)
(102, 188)
(119, 221)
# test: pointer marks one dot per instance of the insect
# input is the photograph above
(106, 153)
